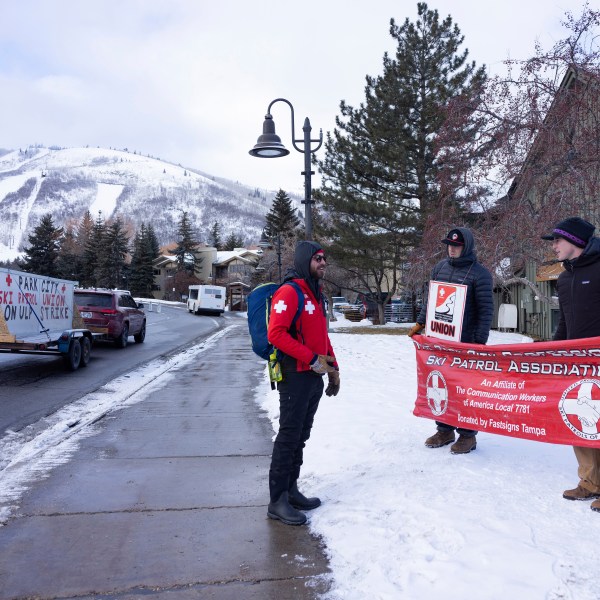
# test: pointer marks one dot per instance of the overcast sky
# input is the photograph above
(189, 81)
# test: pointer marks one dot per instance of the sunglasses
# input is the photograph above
(320, 258)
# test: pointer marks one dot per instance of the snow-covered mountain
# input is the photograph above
(68, 181)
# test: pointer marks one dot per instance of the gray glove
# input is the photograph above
(321, 364)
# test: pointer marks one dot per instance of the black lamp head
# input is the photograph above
(269, 143)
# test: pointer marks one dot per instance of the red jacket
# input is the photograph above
(311, 327)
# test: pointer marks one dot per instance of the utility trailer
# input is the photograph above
(38, 316)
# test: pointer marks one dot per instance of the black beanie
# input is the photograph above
(574, 229)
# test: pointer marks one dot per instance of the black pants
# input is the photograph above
(463, 432)
(299, 395)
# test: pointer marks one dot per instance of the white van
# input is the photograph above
(208, 299)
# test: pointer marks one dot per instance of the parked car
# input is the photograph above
(113, 313)
(339, 302)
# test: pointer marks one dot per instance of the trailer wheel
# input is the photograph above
(86, 350)
(73, 357)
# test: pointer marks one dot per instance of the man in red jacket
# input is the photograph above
(305, 355)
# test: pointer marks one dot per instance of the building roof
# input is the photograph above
(240, 284)
(226, 256)
(164, 260)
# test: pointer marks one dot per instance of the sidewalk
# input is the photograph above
(167, 500)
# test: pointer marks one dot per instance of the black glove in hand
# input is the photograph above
(322, 364)
(333, 387)
(415, 329)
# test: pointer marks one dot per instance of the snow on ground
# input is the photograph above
(404, 521)
(399, 520)
(9, 185)
(16, 159)
(106, 199)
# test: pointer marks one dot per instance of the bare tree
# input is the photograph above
(534, 160)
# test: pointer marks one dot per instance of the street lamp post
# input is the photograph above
(269, 145)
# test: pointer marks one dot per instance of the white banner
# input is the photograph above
(445, 310)
(32, 303)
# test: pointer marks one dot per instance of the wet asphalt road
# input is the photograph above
(166, 500)
(34, 386)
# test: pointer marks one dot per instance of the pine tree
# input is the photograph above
(186, 246)
(94, 246)
(282, 219)
(233, 241)
(380, 170)
(136, 283)
(68, 263)
(83, 234)
(111, 264)
(84, 231)
(215, 235)
(141, 270)
(41, 256)
(152, 241)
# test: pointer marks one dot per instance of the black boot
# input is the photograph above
(282, 511)
(300, 501)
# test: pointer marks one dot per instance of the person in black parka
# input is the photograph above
(461, 266)
(578, 288)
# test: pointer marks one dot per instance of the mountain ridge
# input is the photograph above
(66, 182)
